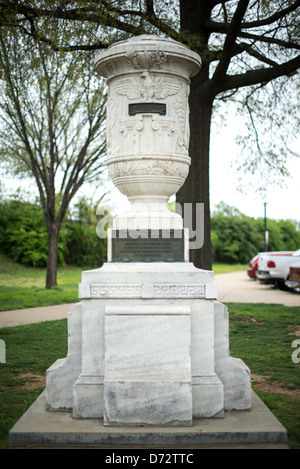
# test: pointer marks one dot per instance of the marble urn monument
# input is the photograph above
(148, 343)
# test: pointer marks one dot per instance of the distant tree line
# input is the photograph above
(235, 237)
(24, 238)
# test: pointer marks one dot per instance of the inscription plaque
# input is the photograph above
(150, 246)
(138, 108)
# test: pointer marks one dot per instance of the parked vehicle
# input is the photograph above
(253, 264)
(274, 269)
(293, 279)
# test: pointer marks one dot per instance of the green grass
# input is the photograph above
(226, 268)
(24, 287)
(262, 335)
(30, 350)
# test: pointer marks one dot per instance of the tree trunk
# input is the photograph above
(196, 187)
(193, 17)
(51, 276)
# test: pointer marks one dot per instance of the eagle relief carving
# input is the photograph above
(147, 87)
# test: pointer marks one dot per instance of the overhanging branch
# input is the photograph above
(230, 40)
(262, 75)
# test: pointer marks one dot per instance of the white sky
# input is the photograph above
(282, 202)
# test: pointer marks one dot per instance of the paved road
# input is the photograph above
(237, 287)
(233, 287)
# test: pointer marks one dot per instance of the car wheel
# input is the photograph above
(281, 285)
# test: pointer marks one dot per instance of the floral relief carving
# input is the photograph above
(147, 168)
(111, 122)
(181, 107)
(146, 60)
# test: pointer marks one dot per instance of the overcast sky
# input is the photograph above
(282, 202)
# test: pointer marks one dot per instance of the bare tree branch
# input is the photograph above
(263, 75)
(230, 40)
(281, 13)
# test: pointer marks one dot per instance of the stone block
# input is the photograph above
(128, 403)
(60, 377)
(233, 372)
(148, 365)
(88, 397)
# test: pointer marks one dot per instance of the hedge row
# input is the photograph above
(24, 238)
(235, 237)
(238, 238)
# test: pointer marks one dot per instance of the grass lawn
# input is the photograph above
(260, 334)
(24, 287)
(226, 268)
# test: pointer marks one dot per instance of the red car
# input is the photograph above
(252, 268)
(253, 264)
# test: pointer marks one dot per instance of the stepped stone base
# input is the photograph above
(257, 428)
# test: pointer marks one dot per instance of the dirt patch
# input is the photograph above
(261, 382)
(31, 381)
(243, 318)
(295, 331)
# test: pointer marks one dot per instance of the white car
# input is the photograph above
(275, 269)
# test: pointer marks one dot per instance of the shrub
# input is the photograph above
(236, 238)
(24, 238)
(83, 247)
(23, 233)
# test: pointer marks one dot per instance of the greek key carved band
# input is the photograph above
(116, 290)
(150, 290)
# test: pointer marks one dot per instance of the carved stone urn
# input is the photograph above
(148, 80)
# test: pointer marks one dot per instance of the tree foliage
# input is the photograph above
(245, 41)
(236, 238)
(23, 236)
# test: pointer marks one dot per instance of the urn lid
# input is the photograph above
(147, 52)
